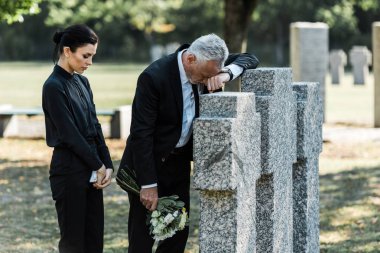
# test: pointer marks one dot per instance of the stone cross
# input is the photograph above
(360, 60)
(276, 103)
(305, 171)
(309, 53)
(376, 70)
(337, 60)
(226, 167)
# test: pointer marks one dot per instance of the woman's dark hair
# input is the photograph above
(73, 37)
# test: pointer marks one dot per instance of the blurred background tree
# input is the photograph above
(236, 22)
(13, 11)
(128, 28)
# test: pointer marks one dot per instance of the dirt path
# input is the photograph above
(350, 134)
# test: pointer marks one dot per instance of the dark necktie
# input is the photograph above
(196, 99)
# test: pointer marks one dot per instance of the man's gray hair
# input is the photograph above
(209, 48)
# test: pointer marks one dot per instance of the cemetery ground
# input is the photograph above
(349, 168)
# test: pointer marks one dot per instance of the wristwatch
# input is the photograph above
(228, 71)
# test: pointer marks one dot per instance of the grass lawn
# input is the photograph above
(27, 214)
(112, 84)
(349, 195)
(348, 103)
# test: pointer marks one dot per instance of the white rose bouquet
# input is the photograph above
(170, 215)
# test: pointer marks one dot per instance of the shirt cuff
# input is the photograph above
(148, 186)
(235, 69)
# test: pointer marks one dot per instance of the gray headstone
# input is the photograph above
(156, 52)
(338, 59)
(172, 47)
(376, 70)
(226, 167)
(22, 126)
(305, 171)
(360, 60)
(121, 122)
(309, 53)
(276, 103)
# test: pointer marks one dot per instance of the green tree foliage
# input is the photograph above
(195, 18)
(134, 24)
(148, 16)
(13, 10)
(346, 20)
(127, 28)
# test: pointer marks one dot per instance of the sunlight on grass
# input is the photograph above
(27, 246)
(349, 200)
(350, 197)
(349, 214)
(334, 237)
(117, 244)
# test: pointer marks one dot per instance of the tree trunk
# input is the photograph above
(236, 21)
(279, 43)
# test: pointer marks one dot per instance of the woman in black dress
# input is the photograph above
(81, 165)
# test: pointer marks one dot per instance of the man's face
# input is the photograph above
(199, 71)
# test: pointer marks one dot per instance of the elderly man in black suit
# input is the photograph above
(159, 147)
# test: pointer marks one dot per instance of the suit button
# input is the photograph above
(163, 159)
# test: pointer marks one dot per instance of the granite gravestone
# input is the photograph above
(256, 165)
(309, 53)
(276, 103)
(226, 167)
(305, 170)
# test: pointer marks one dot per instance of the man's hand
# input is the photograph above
(106, 180)
(149, 198)
(217, 82)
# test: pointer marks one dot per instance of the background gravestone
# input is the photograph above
(337, 60)
(171, 47)
(226, 167)
(306, 169)
(276, 103)
(360, 60)
(156, 52)
(376, 70)
(309, 53)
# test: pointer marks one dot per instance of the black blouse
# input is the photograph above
(70, 118)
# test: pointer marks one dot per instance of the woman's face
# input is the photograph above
(81, 59)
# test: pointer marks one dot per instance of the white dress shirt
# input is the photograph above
(188, 104)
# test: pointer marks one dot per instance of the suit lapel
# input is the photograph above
(175, 80)
(176, 86)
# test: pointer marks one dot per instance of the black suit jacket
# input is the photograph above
(157, 115)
